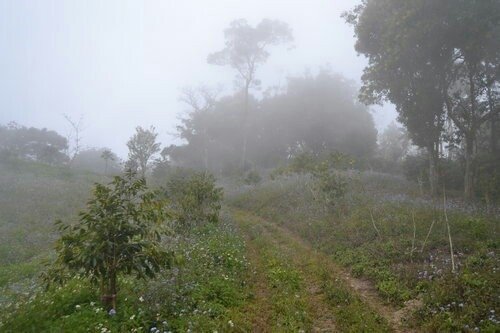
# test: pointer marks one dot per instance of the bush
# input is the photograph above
(194, 199)
(488, 182)
(331, 185)
(117, 235)
(253, 178)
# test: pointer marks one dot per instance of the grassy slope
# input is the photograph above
(32, 197)
(205, 292)
(466, 300)
(215, 287)
(304, 291)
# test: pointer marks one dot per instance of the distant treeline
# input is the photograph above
(438, 62)
(49, 147)
(313, 113)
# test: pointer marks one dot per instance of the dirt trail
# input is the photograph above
(323, 320)
(260, 306)
(319, 312)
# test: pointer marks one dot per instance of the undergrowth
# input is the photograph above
(203, 293)
(371, 232)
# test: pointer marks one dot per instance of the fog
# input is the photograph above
(249, 166)
(121, 64)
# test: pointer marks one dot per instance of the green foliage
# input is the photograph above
(98, 160)
(386, 258)
(118, 234)
(204, 292)
(416, 168)
(437, 62)
(488, 182)
(208, 287)
(467, 301)
(73, 308)
(330, 184)
(142, 147)
(31, 143)
(246, 47)
(194, 199)
(277, 126)
(253, 177)
(351, 314)
(304, 162)
(32, 196)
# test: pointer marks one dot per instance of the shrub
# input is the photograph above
(194, 199)
(331, 185)
(118, 234)
(488, 182)
(253, 178)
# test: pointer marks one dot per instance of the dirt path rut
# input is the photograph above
(315, 267)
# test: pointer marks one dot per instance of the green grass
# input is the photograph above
(351, 314)
(208, 288)
(302, 284)
(399, 273)
(204, 292)
(32, 197)
(286, 298)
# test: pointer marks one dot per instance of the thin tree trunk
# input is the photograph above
(245, 129)
(113, 290)
(449, 232)
(494, 134)
(143, 170)
(428, 234)
(414, 235)
(469, 168)
(374, 225)
(205, 159)
(433, 165)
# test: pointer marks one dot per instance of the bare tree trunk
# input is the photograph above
(205, 151)
(469, 167)
(449, 232)
(245, 129)
(433, 166)
(143, 170)
(494, 134)
(113, 290)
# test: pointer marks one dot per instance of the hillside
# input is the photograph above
(394, 247)
(32, 197)
(278, 260)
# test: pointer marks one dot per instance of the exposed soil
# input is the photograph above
(310, 262)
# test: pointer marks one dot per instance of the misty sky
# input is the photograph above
(122, 63)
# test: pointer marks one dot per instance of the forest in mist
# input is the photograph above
(325, 201)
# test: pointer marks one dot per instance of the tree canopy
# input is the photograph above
(438, 62)
(317, 113)
(142, 147)
(118, 234)
(31, 143)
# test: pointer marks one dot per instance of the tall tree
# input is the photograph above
(394, 143)
(430, 59)
(319, 113)
(201, 101)
(142, 147)
(107, 155)
(246, 48)
(473, 81)
(31, 143)
(75, 136)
